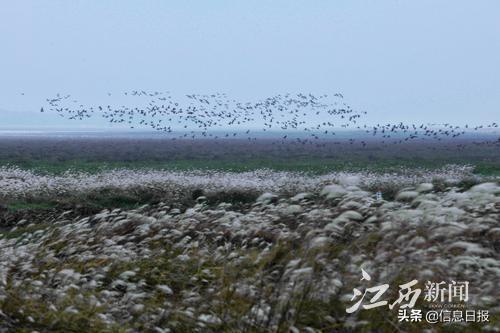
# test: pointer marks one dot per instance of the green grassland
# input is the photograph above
(310, 165)
(55, 156)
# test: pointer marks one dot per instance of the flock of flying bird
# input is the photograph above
(302, 118)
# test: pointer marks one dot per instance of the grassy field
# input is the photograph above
(313, 166)
(56, 155)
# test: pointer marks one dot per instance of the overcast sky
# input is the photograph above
(409, 61)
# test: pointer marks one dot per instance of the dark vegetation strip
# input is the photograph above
(55, 156)
(313, 166)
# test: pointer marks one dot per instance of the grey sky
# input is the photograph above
(409, 61)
